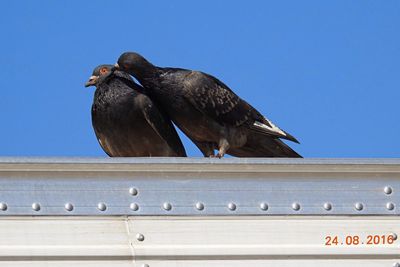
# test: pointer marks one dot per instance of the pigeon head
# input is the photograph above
(100, 73)
(134, 64)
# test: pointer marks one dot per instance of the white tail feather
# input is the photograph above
(273, 128)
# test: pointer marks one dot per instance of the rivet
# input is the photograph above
(199, 206)
(36, 206)
(296, 206)
(167, 206)
(388, 190)
(140, 237)
(3, 206)
(397, 264)
(101, 206)
(394, 236)
(390, 206)
(133, 191)
(359, 206)
(68, 206)
(327, 206)
(232, 206)
(264, 206)
(134, 206)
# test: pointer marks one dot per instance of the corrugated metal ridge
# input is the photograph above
(73, 164)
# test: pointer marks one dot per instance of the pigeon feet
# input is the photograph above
(206, 148)
(223, 147)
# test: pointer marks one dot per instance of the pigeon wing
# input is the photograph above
(216, 100)
(162, 125)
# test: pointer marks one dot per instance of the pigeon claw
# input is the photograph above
(219, 155)
(223, 147)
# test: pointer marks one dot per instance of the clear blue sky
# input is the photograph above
(326, 71)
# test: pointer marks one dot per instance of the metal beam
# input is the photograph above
(198, 187)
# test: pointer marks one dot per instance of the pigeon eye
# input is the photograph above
(103, 70)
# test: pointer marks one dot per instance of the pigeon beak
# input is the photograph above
(92, 81)
(116, 66)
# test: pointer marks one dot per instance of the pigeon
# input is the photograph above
(208, 111)
(127, 123)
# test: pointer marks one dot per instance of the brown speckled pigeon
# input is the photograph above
(208, 111)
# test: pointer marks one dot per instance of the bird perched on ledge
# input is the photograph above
(208, 111)
(126, 121)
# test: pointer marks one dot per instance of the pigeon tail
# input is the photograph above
(260, 145)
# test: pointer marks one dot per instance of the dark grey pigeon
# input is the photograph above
(208, 112)
(126, 121)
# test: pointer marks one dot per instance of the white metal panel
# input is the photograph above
(194, 241)
(207, 263)
(266, 238)
(67, 263)
(64, 237)
(262, 236)
(269, 263)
